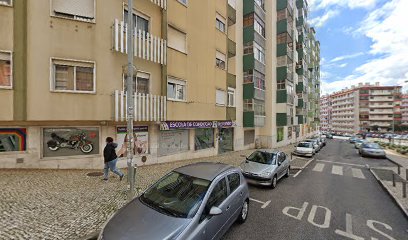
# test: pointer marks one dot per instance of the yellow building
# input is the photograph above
(63, 65)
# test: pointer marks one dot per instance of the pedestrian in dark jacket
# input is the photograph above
(110, 157)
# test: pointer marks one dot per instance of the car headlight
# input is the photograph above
(265, 174)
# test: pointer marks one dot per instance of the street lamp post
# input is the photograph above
(130, 101)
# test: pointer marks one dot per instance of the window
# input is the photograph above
(259, 53)
(140, 21)
(231, 97)
(143, 80)
(218, 195)
(177, 40)
(259, 27)
(248, 20)
(220, 22)
(176, 89)
(260, 3)
(5, 70)
(204, 138)
(220, 97)
(6, 2)
(73, 76)
(184, 2)
(220, 60)
(234, 181)
(83, 10)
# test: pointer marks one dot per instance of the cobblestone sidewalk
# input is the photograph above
(67, 204)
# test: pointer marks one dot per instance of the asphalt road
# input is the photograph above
(335, 197)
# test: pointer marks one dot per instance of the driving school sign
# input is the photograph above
(171, 125)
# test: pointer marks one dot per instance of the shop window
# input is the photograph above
(73, 76)
(204, 138)
(5, 70)
(176, 89)
(280, 134)
(83, 10)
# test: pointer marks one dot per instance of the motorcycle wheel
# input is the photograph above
(87, 148)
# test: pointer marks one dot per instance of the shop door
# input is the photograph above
(226, 140)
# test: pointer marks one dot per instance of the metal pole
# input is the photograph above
(404, 189)
(130, 102)
(393, 179)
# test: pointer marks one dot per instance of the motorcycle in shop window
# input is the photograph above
(70, 141)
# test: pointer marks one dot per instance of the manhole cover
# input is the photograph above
(94, 174)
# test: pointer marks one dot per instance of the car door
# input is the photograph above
(214, 226)
(281, 167)
(236, 195)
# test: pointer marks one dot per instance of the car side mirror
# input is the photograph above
(214, 211)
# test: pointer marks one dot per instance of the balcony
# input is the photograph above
(232, 48)
(232, 13)
(160, 3)
(147, 107)
(146, 46)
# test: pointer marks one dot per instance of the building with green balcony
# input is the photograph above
(254, 63)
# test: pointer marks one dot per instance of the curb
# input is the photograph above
(389, 159)
(385, 187)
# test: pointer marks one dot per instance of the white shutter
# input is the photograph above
(5, 56)
(220, 97)
(177, 40)
(83, 8)
(221, 18)
(220, 56)
(143, 75)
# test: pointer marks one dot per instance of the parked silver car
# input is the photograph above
(371, 150)
(316, 144)
(358, 143)
(266, 167)
(197, 201)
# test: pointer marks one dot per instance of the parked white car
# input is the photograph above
(304, 149)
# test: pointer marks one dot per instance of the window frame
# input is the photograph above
(138, 73)
(176, 81)
(180, 31)
(6, 4)
(229, 182)
(71, 62)
(225, 96)
(206, 210)
(81, 19)
(220, 19)
(183, 2)
(220, 63)
(11, 71)
(231, 92)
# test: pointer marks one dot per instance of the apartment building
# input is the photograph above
(325, 113)
(404, 109)
(363, 108)
(210, 77)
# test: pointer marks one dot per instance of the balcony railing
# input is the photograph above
(146, 45)
(160, 3)
(147, 107)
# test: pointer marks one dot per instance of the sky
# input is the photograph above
(361, 41)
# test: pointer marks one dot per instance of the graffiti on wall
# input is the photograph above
(13, 139)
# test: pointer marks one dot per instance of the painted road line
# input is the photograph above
(337, 170)
(357, 173)
(264, 204)
(340, 163)
(308, 162)
(319, 167)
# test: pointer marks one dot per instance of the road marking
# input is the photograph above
(340, 163)
(264, 204)
(308, 162)
(338, 170)
(327, 217)
(349, 229)
(319, 167)
(357, 173)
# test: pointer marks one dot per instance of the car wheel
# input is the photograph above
(244, 212)
(274, 182)
(287, 172)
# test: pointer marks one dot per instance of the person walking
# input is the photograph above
(110, 157)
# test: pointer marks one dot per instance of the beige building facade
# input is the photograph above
(62, 71)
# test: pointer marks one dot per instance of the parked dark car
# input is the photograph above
(197, 201)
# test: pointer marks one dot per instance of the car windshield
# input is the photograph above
(176, 195)
(371, 145)
(262, 157)
(305, 145)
